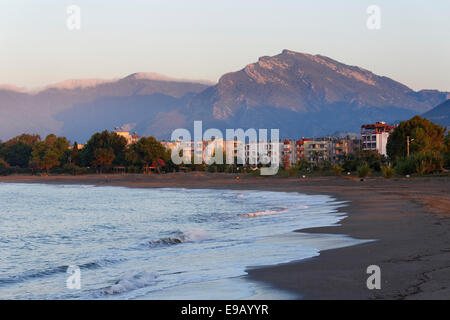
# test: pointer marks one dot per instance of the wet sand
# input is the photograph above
(408, 217)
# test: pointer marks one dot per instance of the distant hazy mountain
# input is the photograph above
(440, 114)
(36, 112)
(300, 94)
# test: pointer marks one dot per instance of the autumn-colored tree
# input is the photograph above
(28, 139)
(49, 153)
(103, 157)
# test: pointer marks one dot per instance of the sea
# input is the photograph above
(99, 242)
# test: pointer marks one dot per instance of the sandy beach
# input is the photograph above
(409, 218)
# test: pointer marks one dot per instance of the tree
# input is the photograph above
(145, 151)
(75, 157)
(44, 157)
(104, 140)
(17, 154)
(425, 136)
(17, 151)
(447, 150)
(103, 157)
(28, 139)
(4, 166)
(49, 153)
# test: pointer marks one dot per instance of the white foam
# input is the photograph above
(196, 235)
(262, 213)
(131, 282)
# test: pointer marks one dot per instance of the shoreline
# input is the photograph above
(408, 217)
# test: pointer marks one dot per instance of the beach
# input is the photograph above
(408, 218)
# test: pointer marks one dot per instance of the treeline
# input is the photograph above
(103, 152)
(429, 153)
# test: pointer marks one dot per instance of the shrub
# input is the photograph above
(421, 163)
(428, 162)
(364, 170)
(350, 165)
(405, 166)
(283, 172)
(304, 165)
(388, 172)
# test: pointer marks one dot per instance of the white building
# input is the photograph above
(375, 136)
(131, 138)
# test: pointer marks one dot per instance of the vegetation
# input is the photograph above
(4, 167)
(388, 172)
(144, 152)
(337, 169)
(104, 150)
(424, 135)
(428, 148)
(429, 153)
(364, 170)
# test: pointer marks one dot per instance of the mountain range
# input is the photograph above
(300, 94)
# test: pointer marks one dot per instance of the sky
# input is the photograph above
(204, 39)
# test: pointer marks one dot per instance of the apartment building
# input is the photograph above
(131, 138)
(375, 136)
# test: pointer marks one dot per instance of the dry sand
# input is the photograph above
(408, 217)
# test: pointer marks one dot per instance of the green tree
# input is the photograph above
(17, 154)
(145, 151)
(60, 146)
(44, 157)
(17, 151)
(425, 136)
(4, 166)
(104, 140)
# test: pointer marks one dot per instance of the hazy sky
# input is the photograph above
(204, 39)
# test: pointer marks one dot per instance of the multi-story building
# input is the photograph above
(375, 136)
(316, 150)
(288, 152)
(339, 148)
(131, 138)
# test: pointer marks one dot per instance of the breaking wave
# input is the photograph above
(263, 213)
(182, 237)
(36, 274)
(131, 282)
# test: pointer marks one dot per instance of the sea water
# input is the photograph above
(154, 243)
